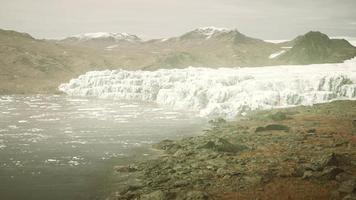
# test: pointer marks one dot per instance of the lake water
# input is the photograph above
(58, 147)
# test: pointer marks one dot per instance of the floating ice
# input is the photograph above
(223, 92)
(50, 160)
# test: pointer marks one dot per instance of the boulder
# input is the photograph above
(334, 159)
(223, 145)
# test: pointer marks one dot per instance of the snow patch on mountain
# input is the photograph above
(275, 55)
(210, 31)
(105, 35)
(224, 92)
(276, 41)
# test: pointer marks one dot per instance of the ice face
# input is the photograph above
(224, 92)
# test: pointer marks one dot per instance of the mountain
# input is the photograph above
(29, 65)
(210, 47)
(102, 40)
(316, 47)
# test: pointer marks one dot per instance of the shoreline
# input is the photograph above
(305, 152)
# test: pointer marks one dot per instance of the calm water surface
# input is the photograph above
(58, 147)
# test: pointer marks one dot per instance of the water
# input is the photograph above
(58, 147)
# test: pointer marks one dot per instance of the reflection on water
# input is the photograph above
(57, 147)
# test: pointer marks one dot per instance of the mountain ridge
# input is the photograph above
(30, 65)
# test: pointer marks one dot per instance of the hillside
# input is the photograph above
(29, 65)
(212, 47)
(316, 47)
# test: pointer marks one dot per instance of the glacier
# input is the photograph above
(222, 92)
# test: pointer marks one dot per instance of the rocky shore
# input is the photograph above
(306, 152)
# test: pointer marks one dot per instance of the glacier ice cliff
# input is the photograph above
(224, 92)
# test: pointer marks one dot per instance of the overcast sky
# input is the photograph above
(266, 19)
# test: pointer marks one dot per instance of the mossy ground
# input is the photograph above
(312, 157)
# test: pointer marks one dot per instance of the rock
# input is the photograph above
(126, 168)
(197, 195)
(347, 187)
(354, 123)
(334, 159)
(222, 172)
(313, 130)
(286, 172)
(156, 195)
(329, 173)
(307, 174)
(180, 153)
(252, 180)
(223, 145)
(217, 162)
(205, 154)
(181, 183)
(161, 179)
(127, 188)
(278, 116)
(350, 197)
(168, 145)
(164, 144)
(335, 195)
(298, 172)
(343, 177)
(272, 127)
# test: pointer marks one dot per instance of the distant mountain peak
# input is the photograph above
(316, 35)
(106, 35)
(207, 32)
(210, 31)
(317, 47)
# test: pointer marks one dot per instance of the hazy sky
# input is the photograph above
(266, 19)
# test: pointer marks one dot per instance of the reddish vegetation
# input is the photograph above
(283, 189)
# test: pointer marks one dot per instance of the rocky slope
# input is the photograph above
(316, 47)
(29, 65)
(102, 40)
(295, 153)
